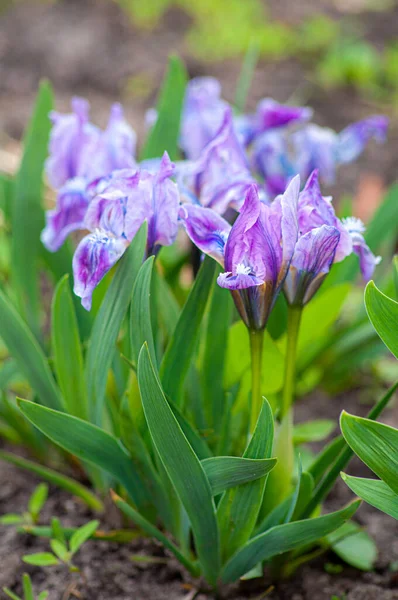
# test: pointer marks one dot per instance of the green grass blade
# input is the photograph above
(108, 321)
(246, 75)
(140, 312)
(62, 481)
(383, 314)
(89, 443)
(374, 492)
(165, 133)
(183, 467)
(376, 445)
(225, 472)
(24, 348)
(67, 351)
(284, 538)
(181, 348)
(27, 210)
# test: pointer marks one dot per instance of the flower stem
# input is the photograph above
(256, 348)
(293, 326)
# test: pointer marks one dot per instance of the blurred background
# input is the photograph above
(338, 56)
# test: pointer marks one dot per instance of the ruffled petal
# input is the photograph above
(207, 230)
(163, 226)
(94, 257)
(67, 216)
(367, 260)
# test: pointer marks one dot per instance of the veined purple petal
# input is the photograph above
(221, 177)
(367, 260)
(270, 114)
(315, 210)
(315, 147)
(163, 226)
(313, 256)
(271, 159)
(202, 116)
(94, 257)
(67, 216)
(353, 139)
(207, 230)
(71, 138)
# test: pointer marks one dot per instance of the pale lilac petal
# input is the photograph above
(207, 230)
(240, 281)
(314, 147)
(289, 224)
(353, 139)
(94, 257)
(367, 260)
(313, 256)
(202, 116)
(271, 160)
(67, 216)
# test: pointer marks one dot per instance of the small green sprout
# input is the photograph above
(27, 591)
(62, 550)
(32, 514)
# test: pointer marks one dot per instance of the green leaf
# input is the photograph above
(38, 500)
(140, 312)
(27, 587)
(284, 538)
(246, 75)
(239, 508)
(108, 321)
(225, 472)
(11, 594)
(326, 458)
(183, 467)
(152, 531)
(68, 357)
(219, 320)
(165, 133)
(43, 596)
(11, 519)
(63, 481)
(60, 550)
(27, 210)
(376, 445)
(383, 314)
(313, 431)
(180, 350)
(57, 533)
(24, 348)
(395, 274)
(89, 443)
(374, 492)
(82, 535)
(354, 546)
(41, 559)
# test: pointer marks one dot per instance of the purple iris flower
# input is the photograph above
(220, 178)
(323, 240)
(255, 252)
(79, 154)
(126, 199)
(278, 154)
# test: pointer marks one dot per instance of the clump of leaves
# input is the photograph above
(32, 513)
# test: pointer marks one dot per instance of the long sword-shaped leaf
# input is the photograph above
(108, 321)
(284, 538)
(24, 348)
(182, 466)
(140, 312)
(68, 357)
(225, 472)
(89, 443)
(374, 492)
(179, 353)
(376, 445)
(27, 210)
(58, 479)
(239, 509)
(164, 134)
(383, 313)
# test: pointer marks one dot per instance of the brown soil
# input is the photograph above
(110, 573)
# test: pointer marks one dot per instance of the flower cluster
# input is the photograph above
(233, 164)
